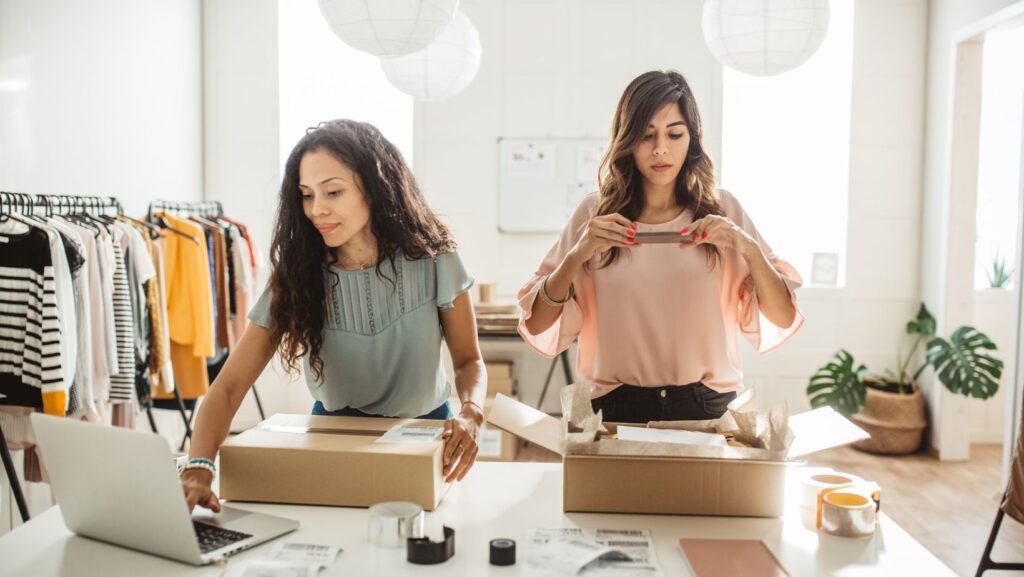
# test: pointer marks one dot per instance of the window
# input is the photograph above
(999, 153)
(322, 78)
(786, 144)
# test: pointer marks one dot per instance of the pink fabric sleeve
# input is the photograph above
(567, 326)
(764, 335)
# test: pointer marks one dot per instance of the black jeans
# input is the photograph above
(632, 404)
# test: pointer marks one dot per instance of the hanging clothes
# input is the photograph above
(31, 355)
(96, 297)
(189, 306)
(122, 383)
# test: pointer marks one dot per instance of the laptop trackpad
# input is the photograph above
(222, 519)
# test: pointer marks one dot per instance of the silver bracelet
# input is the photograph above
(547, 298)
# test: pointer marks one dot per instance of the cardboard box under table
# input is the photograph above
(318, 460)
(604, 474)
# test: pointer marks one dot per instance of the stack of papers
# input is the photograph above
(589, 552)
(288, 560)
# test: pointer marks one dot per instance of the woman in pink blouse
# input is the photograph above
(659, 324)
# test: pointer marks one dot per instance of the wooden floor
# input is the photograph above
(947, 507)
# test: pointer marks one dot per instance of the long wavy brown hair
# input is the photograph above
(400, 220)
(620, 183)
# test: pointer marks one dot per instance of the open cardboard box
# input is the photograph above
(318, 460)
(604, 474)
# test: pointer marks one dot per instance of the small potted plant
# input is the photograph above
(891, 407)
(999, 275)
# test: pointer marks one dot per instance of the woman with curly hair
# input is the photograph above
(364, 284)
(659, 324)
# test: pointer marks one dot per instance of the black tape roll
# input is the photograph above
(423, 551)
(503, 552)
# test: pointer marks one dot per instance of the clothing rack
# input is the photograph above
(56, 204)
(12, 477)
(210, 209)
(63, 204)
(48, 205)
(197, 207)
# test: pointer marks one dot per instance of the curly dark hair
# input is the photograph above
(400, 220)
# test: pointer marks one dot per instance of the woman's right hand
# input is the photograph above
(197, 486)
(605, 232)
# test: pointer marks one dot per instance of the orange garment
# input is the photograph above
(189, 306)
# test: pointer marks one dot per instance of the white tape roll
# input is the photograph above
(392, 523)
(812, 486)
(848, 515)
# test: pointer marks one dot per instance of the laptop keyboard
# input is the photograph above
(212, 538)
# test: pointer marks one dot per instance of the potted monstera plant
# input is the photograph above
(891, 407)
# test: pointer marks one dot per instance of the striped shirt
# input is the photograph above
(30, 356)
(122, 384)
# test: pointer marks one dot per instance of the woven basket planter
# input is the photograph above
(895, 422)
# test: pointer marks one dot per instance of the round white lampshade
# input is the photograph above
(441, 70)
(764, 37)
(388, 28)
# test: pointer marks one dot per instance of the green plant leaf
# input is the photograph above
(962, 365)
(838, 385)
(923, 325)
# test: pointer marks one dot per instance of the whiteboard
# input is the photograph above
(541, 181)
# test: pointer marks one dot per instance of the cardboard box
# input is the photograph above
(499, 378)
(606, 475)
(317, 460)
(498, 369)
(499, 386)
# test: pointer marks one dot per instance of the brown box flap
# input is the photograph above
(812, 431)
(526, 422)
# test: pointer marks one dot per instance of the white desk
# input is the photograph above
(495, 500)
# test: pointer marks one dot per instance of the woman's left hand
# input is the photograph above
(719, 231)
(460, 442)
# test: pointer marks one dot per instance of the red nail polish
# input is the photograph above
(705, 235)
(683, 231)
(631, 232)
(631, 240)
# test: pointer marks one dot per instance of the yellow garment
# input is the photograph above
(54, 403)
(189, 306)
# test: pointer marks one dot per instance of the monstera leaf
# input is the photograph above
(923, 325)
(962, 364)
(838, 385)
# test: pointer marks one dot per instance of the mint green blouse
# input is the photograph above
(382, 341)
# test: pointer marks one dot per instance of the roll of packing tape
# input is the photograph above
(814, 485)
(423, 551)
(848, 515)
(392, 523)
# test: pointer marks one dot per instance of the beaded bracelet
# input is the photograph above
(200, 463)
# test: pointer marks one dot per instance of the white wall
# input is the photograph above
(947, 293)
(558, 68)
(992, 316)
(101, 98)
(242, 149)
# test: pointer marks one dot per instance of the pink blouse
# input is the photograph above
(658, 316)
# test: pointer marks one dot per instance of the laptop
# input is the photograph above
(121, 487)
